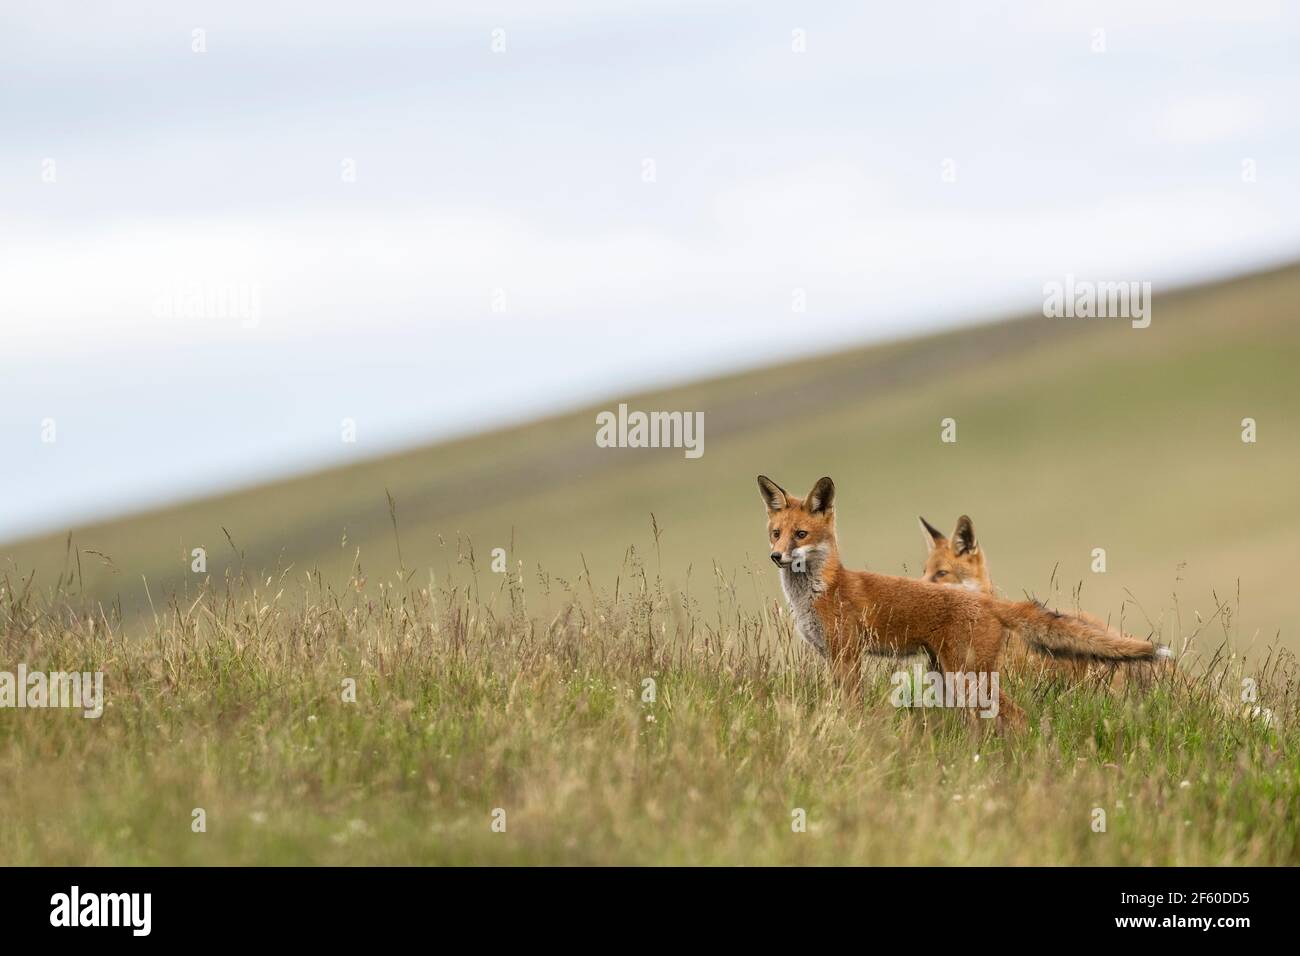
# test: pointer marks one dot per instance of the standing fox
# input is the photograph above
(845, 614)
(956, 561)
(959, 561)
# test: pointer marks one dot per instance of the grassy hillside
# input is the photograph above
(598, 731)
(314, 698)
(1072, 435)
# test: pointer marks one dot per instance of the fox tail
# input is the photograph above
(1074, 635)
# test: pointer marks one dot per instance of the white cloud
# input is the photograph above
(778, 171)
(1214, 118)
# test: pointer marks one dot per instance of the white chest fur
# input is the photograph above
(801, 590)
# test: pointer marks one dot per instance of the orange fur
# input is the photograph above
(846, 614)
(960, 561)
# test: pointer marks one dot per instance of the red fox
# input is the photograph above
(845, 614)
(959, 561)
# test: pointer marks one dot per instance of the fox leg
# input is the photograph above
(990, 654)
(846, 666)
(1009, 713)
(981, 656)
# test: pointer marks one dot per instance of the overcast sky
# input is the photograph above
(431, 234)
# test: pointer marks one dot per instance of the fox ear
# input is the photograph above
(822, 498)
(773, 494)
(933, 536)
(964, 537)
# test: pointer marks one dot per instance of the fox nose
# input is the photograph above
(776, 558)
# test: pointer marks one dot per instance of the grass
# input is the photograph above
(478, 691)
(523, 691)
(1071, 436)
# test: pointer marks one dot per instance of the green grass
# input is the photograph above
(1071, 436)
(522, 691)
(531, 699)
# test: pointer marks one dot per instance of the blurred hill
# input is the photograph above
(1073, 434)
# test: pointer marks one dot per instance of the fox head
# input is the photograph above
(800, 531)
(958, 562)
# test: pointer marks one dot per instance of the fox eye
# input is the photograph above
(776, 532)
(940, 574)
(801, 535)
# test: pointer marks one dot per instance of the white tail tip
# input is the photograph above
(1164, 653)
